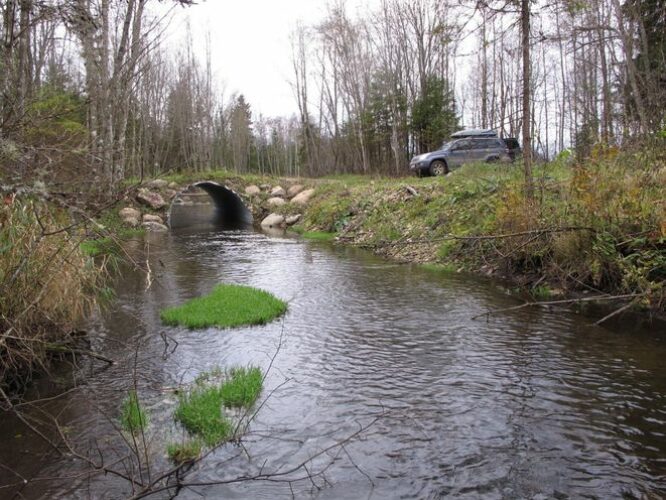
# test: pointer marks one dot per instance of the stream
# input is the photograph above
(534, 404)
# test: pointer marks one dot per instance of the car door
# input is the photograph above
(459, 153)
(478, 150)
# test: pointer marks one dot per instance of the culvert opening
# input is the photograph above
(209, 203)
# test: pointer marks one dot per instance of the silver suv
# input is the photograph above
(466, 146)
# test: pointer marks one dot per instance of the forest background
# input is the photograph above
(92, 92)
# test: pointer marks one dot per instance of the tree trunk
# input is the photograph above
(527, 119)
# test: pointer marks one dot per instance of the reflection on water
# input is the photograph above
(528, 404)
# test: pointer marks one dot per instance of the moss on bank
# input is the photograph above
(226, 306)
(318, 235)
(109, 234)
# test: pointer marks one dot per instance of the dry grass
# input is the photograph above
(46, 283)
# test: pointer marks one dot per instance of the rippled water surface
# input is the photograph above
(524, 404)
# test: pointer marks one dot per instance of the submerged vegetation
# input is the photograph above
(226, 306)
(184, 452)
(243, 387)
(133, 417)
(201, 410)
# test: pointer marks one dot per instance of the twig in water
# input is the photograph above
(615, 313)
(560, 302)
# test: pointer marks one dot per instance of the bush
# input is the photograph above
(46, 283)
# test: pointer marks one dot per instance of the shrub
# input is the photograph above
(47, 285)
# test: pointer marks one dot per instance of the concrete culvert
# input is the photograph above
(208, 203)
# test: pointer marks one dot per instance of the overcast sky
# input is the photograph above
(251, 50)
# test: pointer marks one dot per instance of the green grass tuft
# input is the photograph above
(318, 235)
(243, 387)
(200, 412)
(133, 418)
(201, 409)
(541, 292)
(184, 452)
(101, 246)
(226, 306)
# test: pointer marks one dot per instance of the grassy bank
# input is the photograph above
(599, 227)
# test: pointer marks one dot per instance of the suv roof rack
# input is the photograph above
(474, 133)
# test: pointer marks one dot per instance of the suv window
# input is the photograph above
(461, 145)
(486, 144)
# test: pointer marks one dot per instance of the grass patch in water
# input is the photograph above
(226, 306)
(200, 410)
(318, 235)
(133, 417)
(243, 387)
(184, 452)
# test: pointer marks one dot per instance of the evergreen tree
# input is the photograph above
(434, 115)
(241, 134)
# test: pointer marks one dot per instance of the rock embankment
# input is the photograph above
(147, 209)
(274, 206)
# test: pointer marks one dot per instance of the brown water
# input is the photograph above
(527, 404)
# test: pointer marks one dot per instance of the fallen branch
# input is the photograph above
(562, 302)
(615, 313)
(82, 352)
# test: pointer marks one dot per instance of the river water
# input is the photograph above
(523, 404)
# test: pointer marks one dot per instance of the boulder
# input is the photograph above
(252, 190)
(129, 213)
(170, 193)
(294, 190)
(303, 197)
(278, 191)
(155, 227)
(174, 186)
(265, 187)
(157, 184)
(273, 221)
(132, 221)
(275, 202)
(292, 219)
(152, 218)
(150, 199)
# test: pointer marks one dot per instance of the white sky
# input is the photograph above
(251, 48)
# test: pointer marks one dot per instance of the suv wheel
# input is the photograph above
(438, 167)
